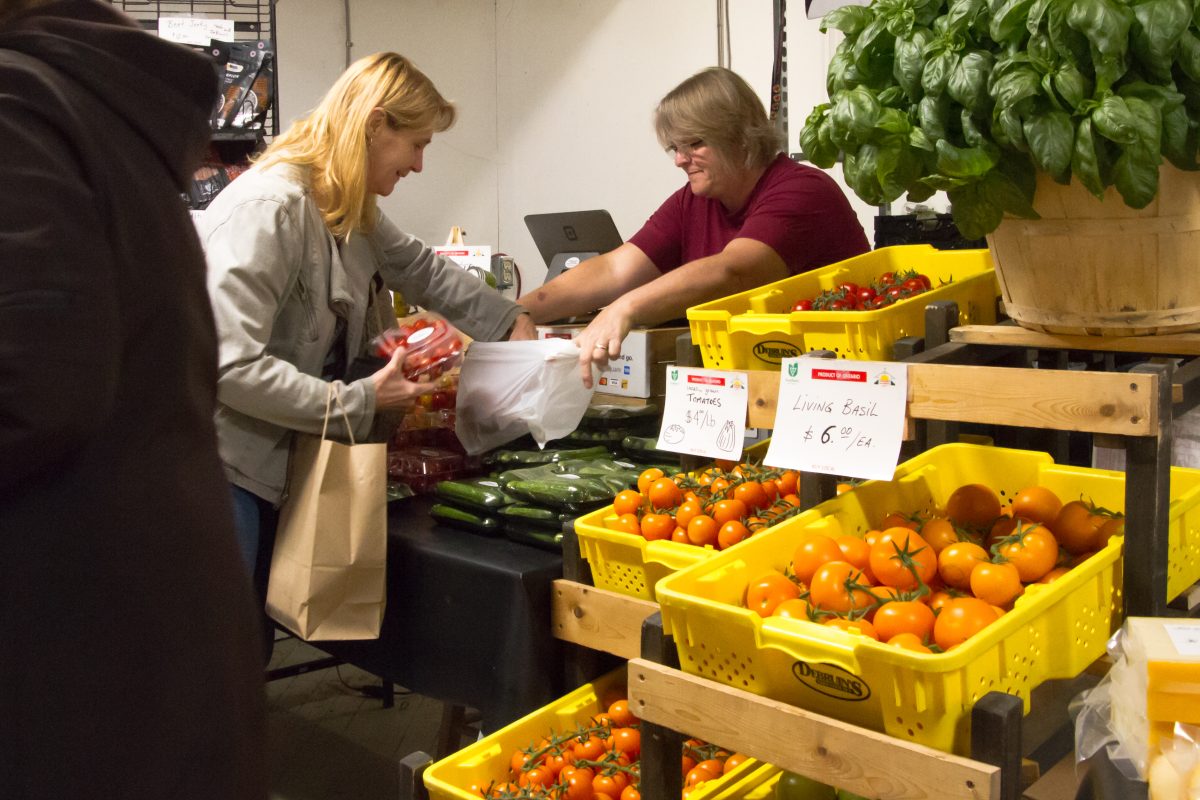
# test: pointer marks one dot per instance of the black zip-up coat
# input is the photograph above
(129, 651)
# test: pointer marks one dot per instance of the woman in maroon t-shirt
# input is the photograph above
(748, 216)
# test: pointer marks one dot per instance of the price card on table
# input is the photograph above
(704, 413)
(839, 417)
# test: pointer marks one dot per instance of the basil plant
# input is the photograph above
(973, 97)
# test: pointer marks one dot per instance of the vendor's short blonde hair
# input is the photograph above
(719, 107)
(332, 140)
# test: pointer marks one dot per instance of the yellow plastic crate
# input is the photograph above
(1053, 631)
(487, 760)
(630, 565)
(757, 328)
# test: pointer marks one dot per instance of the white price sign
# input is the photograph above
(840, 417)
(195, 30)
(704, 413)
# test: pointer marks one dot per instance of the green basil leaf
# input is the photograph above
(1135, 174)
(1033, 19)
(919, 193)
(1019, 169)
(909, 62)
(850, 20)
(823, 155)
(854, 114)
(1147, 120)
(1086, 159)
(1114, 121)
(1004, 192)
(1010, 128)
(1177, 146)
(1051, 138)
(944, 183)
(1015, 85)
(933, 112)
(1041, 52)
(896, 169)
(839, 67)
(1070, 44)
(962, 14)
(1071, 86)
(971, 132)
(873, 39)
(1158, 26)
(860, 172)
(918, 139)
(975, 215)
(1188, 57)
(965, 162)
(1008, 21)
(1105, 23)
(893, 124)
(892, 97)
(937, 72)
(967, 83)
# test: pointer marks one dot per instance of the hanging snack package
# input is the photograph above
(245, 61)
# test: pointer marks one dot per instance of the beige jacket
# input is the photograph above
(279, 281)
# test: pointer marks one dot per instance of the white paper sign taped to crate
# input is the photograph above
(839, 417)
(704, 412)
(475, 258)
(195, 30)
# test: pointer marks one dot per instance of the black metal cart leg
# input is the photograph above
(661, 747)
(996, 738)
(1147, 506)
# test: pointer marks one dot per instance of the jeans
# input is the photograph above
(254, 521)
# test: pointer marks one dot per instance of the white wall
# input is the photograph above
(554, 96)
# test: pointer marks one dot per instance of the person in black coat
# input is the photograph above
(129, 656)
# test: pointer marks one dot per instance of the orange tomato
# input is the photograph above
(752, 494)
(854, 550)
(789, 482)
(940, 533)
(619, 711)
(665, 493)
(1076, 527)
(765, 593)
(727, 509)
(960, 619)
(703, 530)
(908, 641)
(627, 502)
(611, 785)
(838, 586)
(631, 792)
(731, 533)
(901, 558)
(733, 762)
(1036, 504)
(648, 477)
(814, 550)
(997, 584)
(795, 608)
(956, 562)
(680, 535)
(1112, 526)
(1054, 574)
(688, 509)
(627, 741)
(974, 506)
(1032, 549)
(904, 616)
(898, 519)
(627, 523)
(656, 527)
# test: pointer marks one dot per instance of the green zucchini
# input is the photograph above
(519, 458)
(547, 540)
(646, 448)
(465, 519)
(532, 516)
(482, 493)
(561, 490)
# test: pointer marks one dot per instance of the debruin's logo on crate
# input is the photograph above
(774, 352)
(831, 681)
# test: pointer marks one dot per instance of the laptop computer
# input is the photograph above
(566, 238)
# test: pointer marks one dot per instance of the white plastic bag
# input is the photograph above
(507, 389)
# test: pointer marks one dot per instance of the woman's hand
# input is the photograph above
(394, 392)
(600, 342)
(523, 329)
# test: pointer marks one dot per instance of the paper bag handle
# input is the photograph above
(330, 395)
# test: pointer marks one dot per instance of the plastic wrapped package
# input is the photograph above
(433, 345)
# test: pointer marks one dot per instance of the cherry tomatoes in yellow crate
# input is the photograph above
(673, 521)
(898, 604)
(583, 746)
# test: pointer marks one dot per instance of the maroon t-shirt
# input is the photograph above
(796, 210)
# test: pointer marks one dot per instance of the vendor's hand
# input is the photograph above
(600, 342)
(523, 329)
(394, 392)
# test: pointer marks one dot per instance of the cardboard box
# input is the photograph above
(640, 371)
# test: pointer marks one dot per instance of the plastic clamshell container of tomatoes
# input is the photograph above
(1053, 631)
(488, 759)
(433, 345)
(757, 328)
(628, 564)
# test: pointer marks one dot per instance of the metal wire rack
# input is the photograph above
(252, 20)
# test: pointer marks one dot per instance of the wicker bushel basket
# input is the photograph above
(1102, 268)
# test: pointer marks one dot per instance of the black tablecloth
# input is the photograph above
(467, 620)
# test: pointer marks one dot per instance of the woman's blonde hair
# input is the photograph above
(719, 107)
(331, 141)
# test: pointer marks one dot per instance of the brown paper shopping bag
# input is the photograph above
(328, 568)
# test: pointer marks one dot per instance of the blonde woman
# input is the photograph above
(298, 256)
(748, 215)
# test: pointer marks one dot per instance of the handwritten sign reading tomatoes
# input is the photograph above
(704, 413)
(839, 417)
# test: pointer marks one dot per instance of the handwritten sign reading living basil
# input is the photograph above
(704, 413)
(839, 418)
